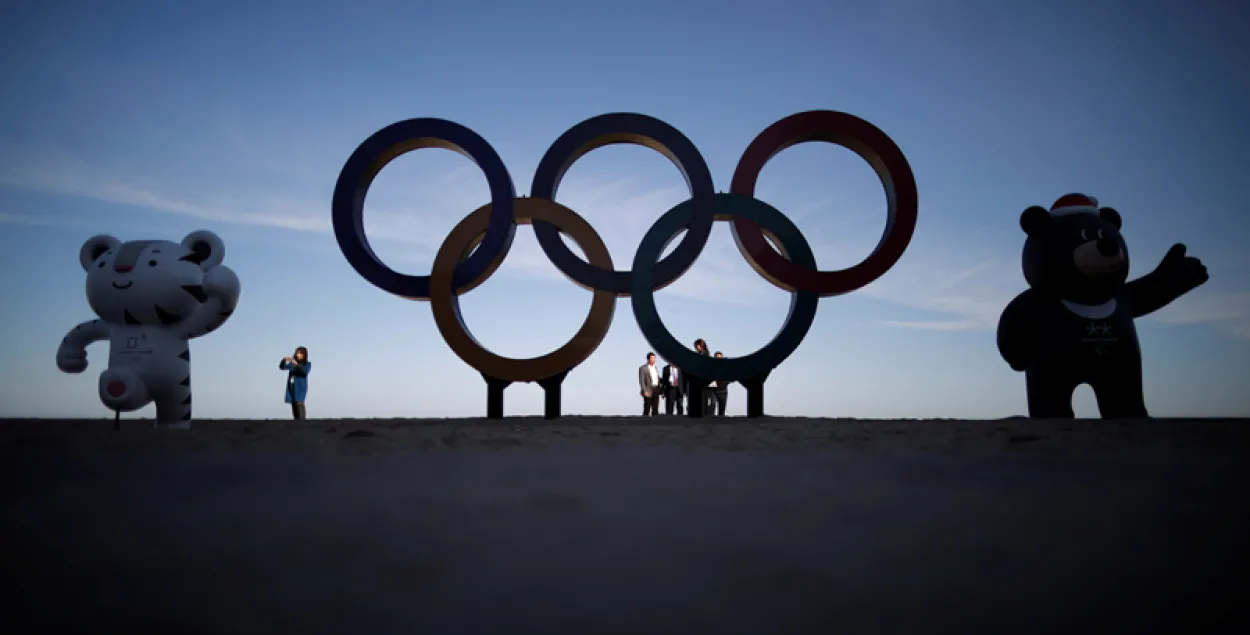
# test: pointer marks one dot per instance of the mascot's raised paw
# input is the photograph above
(222, 283)
(1188, 272)
(71, 359)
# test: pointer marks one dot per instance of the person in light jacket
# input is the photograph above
(649, 385)
(297, 367)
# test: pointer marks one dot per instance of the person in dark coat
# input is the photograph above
(718, 393)
(700, 347)
(297, 367)
(673, 387)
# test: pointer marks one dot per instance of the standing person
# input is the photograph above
(719, 392)
(673, 383)
(700, 347)
(649, 381)
(297, 367)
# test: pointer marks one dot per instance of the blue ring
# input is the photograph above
(802, 304)
(384, 146)
(642, 130)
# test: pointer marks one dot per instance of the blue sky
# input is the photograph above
(150, 120)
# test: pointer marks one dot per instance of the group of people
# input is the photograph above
(670, 383)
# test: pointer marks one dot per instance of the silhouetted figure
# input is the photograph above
(673, 384)
(705, 393)
(649, 381)
(1074, 324)
(718, 393)
(297, 367)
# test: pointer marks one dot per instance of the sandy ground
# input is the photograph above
(597, 525)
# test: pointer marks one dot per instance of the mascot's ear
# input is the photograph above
(94, 248)
(1111, 216)
(1034, 220)
(206, 249)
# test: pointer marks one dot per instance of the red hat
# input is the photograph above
(1074, 204)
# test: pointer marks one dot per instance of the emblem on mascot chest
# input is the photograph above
(1101, 335)
(133, 344)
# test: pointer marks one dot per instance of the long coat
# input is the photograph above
(297, 380)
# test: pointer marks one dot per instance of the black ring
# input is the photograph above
(383, 147)
(643, 130)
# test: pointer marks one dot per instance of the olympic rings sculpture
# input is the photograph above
(458, 267)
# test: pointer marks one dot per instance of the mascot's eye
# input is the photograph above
(151, 263)
(1100, 236)
(101, 265)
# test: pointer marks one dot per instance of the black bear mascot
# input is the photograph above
(1074, 324)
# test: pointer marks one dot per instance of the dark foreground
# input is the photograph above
(611, 525)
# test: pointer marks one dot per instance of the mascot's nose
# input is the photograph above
(122, 268)
(1108, 247)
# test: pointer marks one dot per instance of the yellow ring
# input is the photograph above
(446, 307)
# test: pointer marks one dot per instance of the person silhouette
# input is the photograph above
(718, 392)
(649, 383)
(297, 367)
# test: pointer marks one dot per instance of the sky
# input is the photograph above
(149, 120)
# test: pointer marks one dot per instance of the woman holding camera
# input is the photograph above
(297, 367)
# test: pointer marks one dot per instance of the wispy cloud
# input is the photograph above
(962, 278)
(31, 220)
(965, 285)
(53, 171)
(1228, 310)
(944, 325)
(621, 210)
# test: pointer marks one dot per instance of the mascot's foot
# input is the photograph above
(121, 390)
(173, 425)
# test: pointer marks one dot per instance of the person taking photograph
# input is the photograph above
(297, 367)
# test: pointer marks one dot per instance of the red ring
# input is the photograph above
(870, 143)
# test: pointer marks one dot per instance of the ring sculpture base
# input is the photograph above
(696, 400)
(551, 395)
(755, 394)
(769, 241)
(494, 396)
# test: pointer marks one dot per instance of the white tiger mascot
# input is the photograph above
(152, 296)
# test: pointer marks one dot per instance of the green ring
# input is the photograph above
(802, 304)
